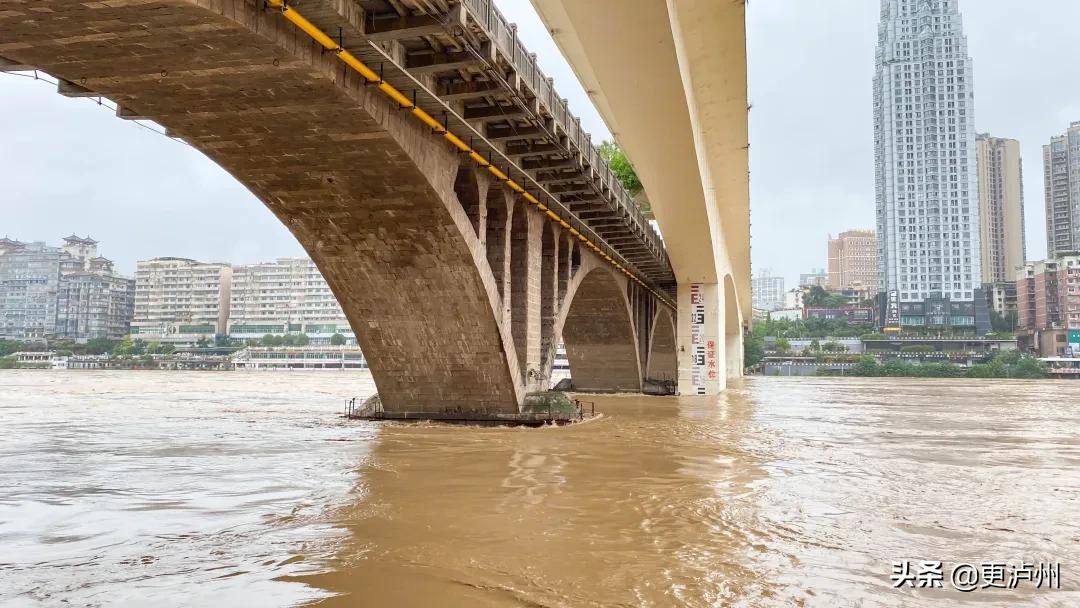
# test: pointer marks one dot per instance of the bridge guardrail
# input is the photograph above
(504, 36)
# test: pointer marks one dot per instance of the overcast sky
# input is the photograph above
(68, 165)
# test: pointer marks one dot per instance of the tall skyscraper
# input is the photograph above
(853, 261)
(1061, 179)
(926, 177)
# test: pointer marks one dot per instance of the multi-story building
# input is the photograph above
(926, 177)
(1001, 297)
(853, 261)
(180, 300)
(767, 291)
(66, 292)
(1048, 305)
(29, 281)
(1048, 302)
(793, 298)
(1061, 181)
(815, 278)
(288, 296)
(1001, 208)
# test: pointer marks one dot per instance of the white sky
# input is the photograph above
(68, 165)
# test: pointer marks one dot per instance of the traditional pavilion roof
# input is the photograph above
(78, 239)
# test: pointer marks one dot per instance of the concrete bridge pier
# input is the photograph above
(694, 55)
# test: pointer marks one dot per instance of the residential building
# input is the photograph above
(856, 295)
(180, 300)
(767, 291)
(1048, 305)
(853, 261)
(817, 277)
(1061, 182)
(29, 282)
(793, 298)
(925, 157)
(1001, 297)
(287, 296)
(93, 300)
(1001, 208)
(67, 292)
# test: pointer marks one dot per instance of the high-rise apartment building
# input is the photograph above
(67, 292)
(180, 300)
(288, 296)
(1048, 305)
(767, 291)
(853, 261)
(1061, 181)
(926, 176)
(1001, 208)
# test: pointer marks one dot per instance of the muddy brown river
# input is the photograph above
(246, 489)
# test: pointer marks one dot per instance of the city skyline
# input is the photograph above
(156, 197)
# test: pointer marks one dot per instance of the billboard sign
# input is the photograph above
(892, 311)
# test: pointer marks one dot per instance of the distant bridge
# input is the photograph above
(456, 208)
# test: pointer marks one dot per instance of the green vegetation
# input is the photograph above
(753, 350)
(1009, 364)
(558, 402)
(291, 340)
(8, 347)
(817, 297)
(337, 340)
(1004, 324)
(782, 345)
(95, 346)
(808, 328)
(129, 348)
(624, 172)
(7, 362)
(754, 343)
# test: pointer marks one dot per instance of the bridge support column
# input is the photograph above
(701, 340)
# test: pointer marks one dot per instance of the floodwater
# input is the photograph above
(246, 489)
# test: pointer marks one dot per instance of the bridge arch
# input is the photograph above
(597, 329)
(392, 222)
(662, 360)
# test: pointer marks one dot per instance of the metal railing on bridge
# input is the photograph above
(504, 36)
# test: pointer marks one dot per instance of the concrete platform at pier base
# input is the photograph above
(540, 409)
(530, 420)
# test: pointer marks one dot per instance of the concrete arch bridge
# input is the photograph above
(458, 211)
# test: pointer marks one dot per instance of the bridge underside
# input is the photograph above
(456, 289)
(669, 79)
